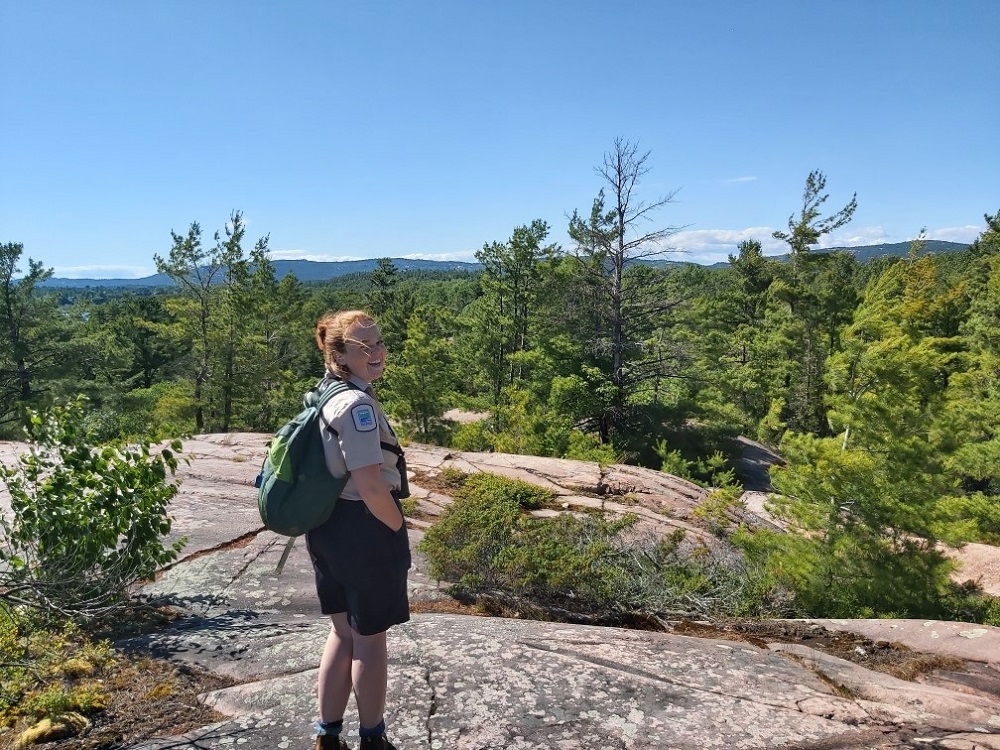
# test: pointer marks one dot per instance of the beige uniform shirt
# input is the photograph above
(361, 426)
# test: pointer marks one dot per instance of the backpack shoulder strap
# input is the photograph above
(323, 393)
(397, 449)
(325, 390)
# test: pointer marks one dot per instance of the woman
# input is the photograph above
(362, 554)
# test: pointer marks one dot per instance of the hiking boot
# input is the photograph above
(331, 742)
(376, 743)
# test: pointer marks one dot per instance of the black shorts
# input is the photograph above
(360, 566)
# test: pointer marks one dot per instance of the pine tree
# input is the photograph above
(27, 344)
(870, 507)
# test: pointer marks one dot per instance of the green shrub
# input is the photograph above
(583, 446)
(87, 521)
(525, 427)
(991, 612)
(673, 462)
(711, 470)
(174, 408)
(717, 508)
(472, 532)
(492, 486)
(485, 543)
(453, 478)
(966, 602)
(565, 558)
(55, 699)
(476, 437)
(816, 589)
(127, 415)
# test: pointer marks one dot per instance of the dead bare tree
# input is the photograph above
(607, 243)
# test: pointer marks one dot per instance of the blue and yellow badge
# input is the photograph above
(364, 418)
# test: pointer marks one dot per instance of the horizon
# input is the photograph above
(666, 257)
(391, 129)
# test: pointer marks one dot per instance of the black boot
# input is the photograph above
(376, 743)
(331, 742)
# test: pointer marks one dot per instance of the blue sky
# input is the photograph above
(426, 129)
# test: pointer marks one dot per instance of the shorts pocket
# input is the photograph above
(388, 546)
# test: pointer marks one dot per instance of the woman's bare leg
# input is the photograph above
(370, 672)
(335, 669)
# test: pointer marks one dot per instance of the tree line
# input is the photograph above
(876, 382)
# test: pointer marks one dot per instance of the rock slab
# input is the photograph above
(474, 683)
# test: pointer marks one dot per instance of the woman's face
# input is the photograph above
(364, 350)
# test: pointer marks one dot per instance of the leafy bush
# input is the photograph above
(719, 507)
(479, 525)
(488, 486)
(673, 462)
(565, 558)
(174, 409)
(474, 530)
(453, 478)
(87, 521)
(912, 586)
(966, 602)
(712, 470)
(524, 426)
(125, 415)
(867, 527)
(586, 447)
(477, 437)
(486, 544)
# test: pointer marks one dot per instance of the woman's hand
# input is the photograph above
(377, 495)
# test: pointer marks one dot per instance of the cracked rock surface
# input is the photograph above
(477, 683)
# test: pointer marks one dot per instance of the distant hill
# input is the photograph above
(896, 249)
(303, 270)
(865, 253)
(311, 270)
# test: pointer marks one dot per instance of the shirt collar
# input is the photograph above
(358, 382)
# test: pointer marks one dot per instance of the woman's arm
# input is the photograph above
(377, 495)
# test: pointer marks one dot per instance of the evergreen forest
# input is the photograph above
(877, 383)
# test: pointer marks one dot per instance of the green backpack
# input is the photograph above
(296, 491)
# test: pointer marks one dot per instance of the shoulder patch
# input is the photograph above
(364, 418)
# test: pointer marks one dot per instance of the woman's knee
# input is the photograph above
(342, 627)
(369, 644)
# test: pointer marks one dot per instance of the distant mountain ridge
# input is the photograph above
(898, 249)
(312, 270)
(303, 270)
(865, 253)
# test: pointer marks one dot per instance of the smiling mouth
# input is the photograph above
(376, 363)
